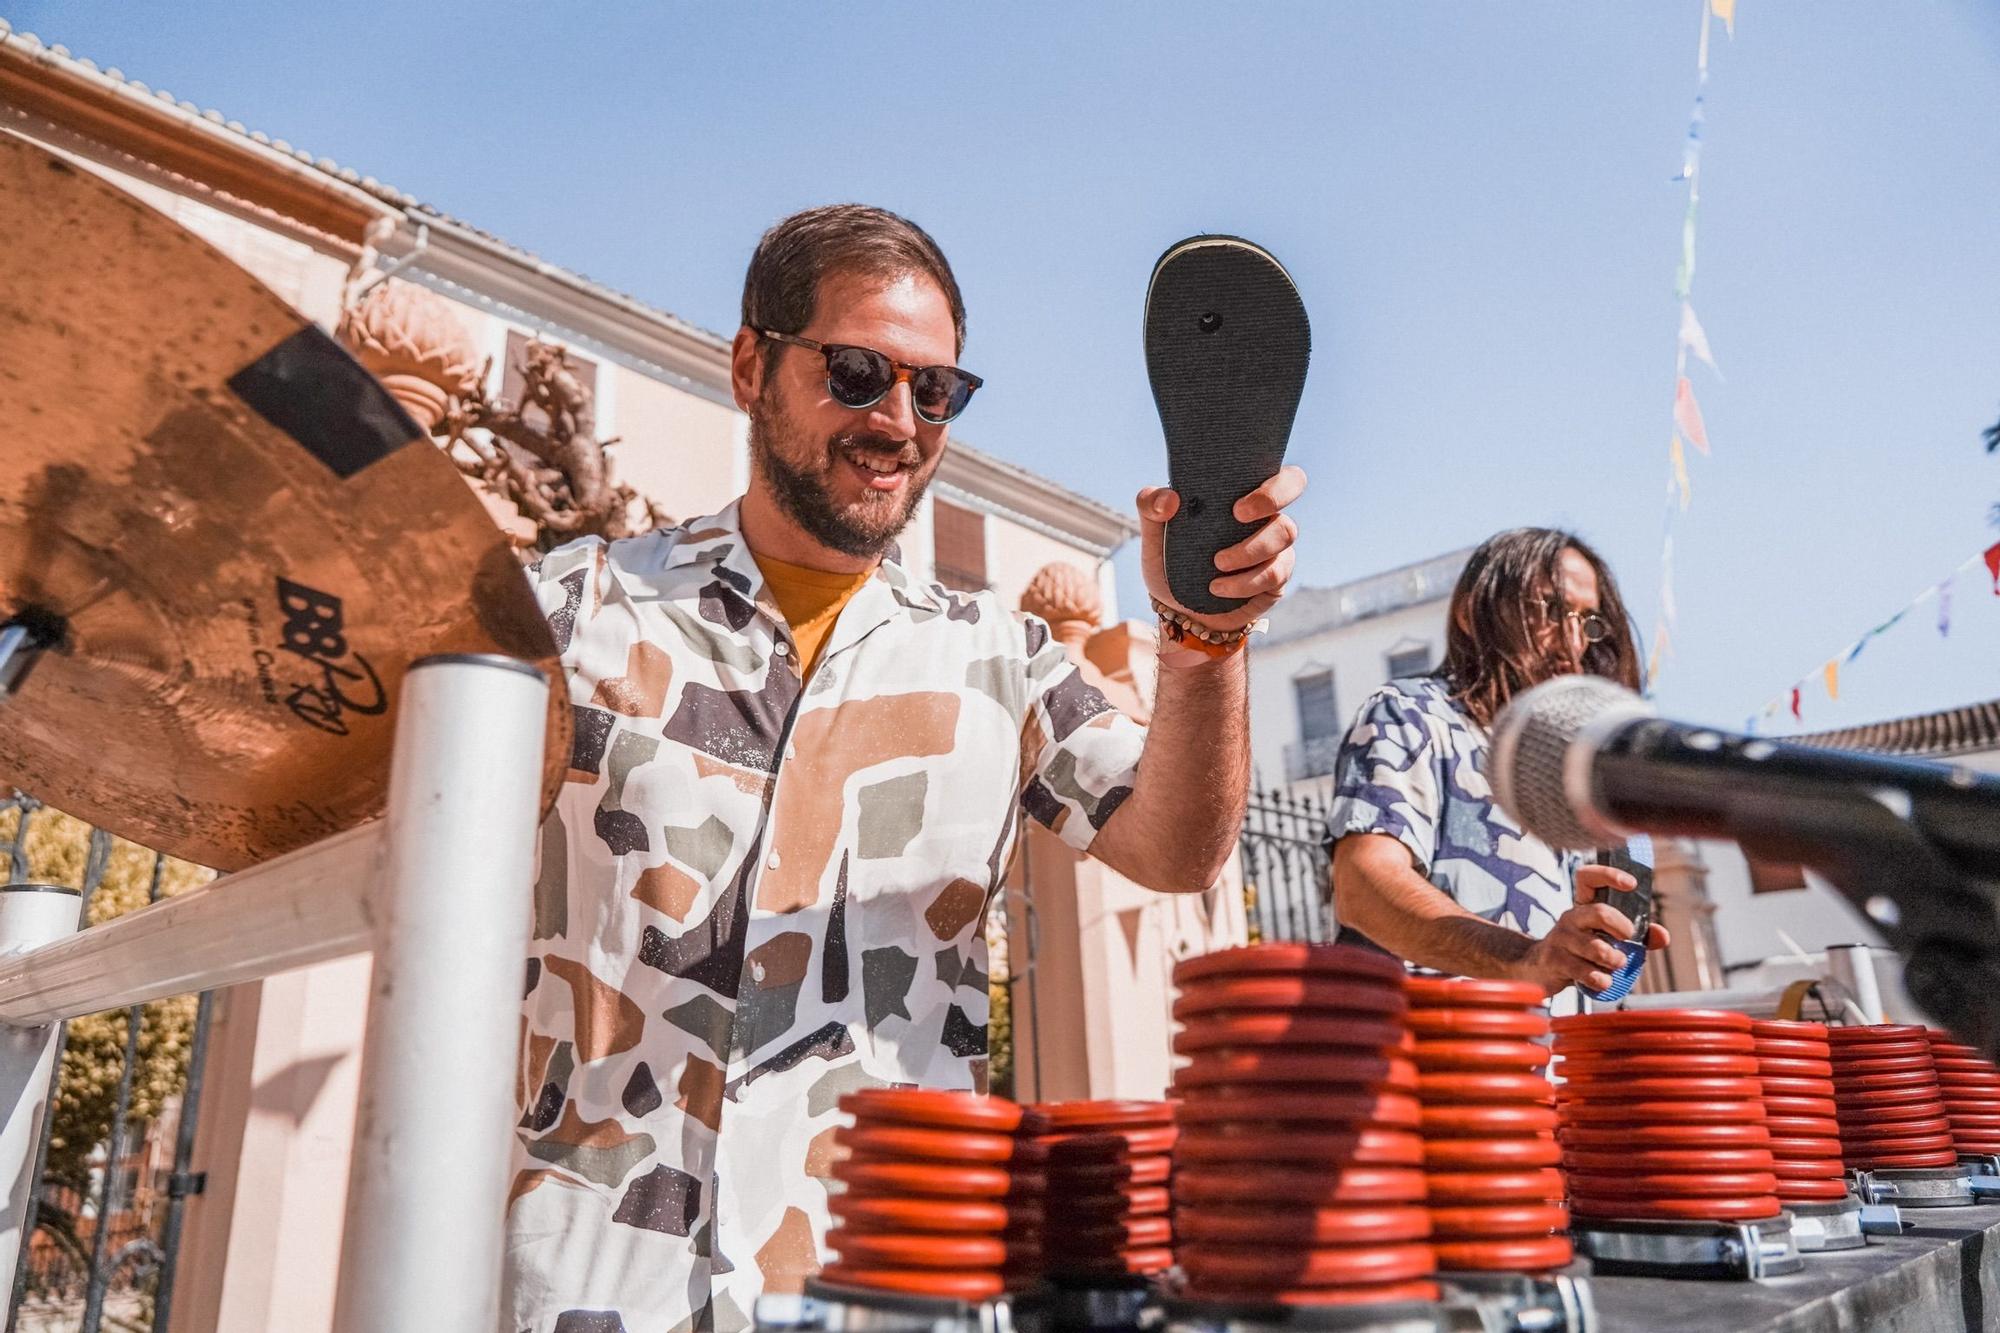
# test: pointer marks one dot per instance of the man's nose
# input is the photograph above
(895, 414)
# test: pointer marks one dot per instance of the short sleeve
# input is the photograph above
(1386, 778)
(1079, 754)
(566, 582)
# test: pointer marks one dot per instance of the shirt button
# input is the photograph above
(781, 648)
(772, 861)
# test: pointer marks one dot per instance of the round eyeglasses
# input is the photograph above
(860, 377)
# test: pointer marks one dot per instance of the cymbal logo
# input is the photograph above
(314, 631)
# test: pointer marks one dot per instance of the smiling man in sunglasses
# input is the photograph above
(798, 780)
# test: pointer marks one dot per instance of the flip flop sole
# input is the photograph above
(1227, 343)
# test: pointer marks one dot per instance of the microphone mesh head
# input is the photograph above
(1532, 739)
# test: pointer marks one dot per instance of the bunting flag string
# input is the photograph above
(1828, 672)
(1690, 339)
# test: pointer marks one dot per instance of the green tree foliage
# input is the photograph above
(58, 848)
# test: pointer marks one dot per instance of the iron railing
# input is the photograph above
(104, 1257)
(1287, 878)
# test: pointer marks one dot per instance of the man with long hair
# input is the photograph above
(1425, 862)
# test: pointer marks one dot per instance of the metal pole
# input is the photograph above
(30, 915)
(181, 1183)
(427, 1196)
(107, 1194)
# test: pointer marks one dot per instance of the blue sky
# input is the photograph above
(1476, 199)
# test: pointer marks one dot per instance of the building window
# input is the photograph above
(513, 382)
(1318, 719)
(1413, 660)
(958, 547)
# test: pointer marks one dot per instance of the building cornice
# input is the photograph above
(1950, 731)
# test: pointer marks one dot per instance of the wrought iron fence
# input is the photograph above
(1287, 884)
(98, 1251)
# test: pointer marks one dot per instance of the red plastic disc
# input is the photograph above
(1750, 1134)
(1361, 1184)
(1967, 1121)
(1670, 1160)
(1371, 1293)
(1919, 1078)
(1498, 1221)
(1289, 1065)
(1970, 1082)
(1798, 1149)
(1506, 1256)
(917, 1282)
(929, 1108)
(1258, 1028)
(1475, 1187)
(1821, 1168)
(1505, 1023)
(1802, 1126)
(1730, 1112)
(1904, 1161)
(1866, 1102)
(1339, 960)
(1110, 1236)
(1830, 1190)
(1104, 1114)
(1461, 992)
(1485, 1056)
(1660, 1042)
(1818, 1108)
(1874, 1131)
(1772, 1067)
(1151, 1169)
(1364, 1147)
(1958, 1064)
(1651, 1089)
(1451, 1121)
(1326, 1265)
(937, 1145)
(915, 1250)
(1881, 1048)
(1788, 1029)
(1875, 1145)
(1082, 1145)
(1793, 1050)
(1876, 1032)
(1133, 1261)
(930, 1179)
(1693, 1065)
(1286, 1102)
(1303, 993)
(1457, 1085)
(1656, 1020)
(891, 1212)
(1675, 1185)
(1797, 1087)
(1341, 1225)
(1584, 1208)
(1490, 1154)
(1848, 1063)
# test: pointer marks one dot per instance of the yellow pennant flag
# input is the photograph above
(1679, 455)
(1833, 679)
(1726, 11)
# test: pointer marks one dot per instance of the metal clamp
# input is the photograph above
(1926, 1187)
(1523, 1303)
(1881, 1219)
(1746, 1250)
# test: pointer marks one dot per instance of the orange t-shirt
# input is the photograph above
(811, 600)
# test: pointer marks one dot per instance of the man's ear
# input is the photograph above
(746, 367)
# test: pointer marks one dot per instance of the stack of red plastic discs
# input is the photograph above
(1971, 1086)
(1663, 1117)
(1891, 1109)
(1107, 1211)
(1298, 1177)
(1794, 1065)
(1489, 1124)
(939, 1198)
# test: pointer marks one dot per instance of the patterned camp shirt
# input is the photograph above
(1413, 767)
(754, 898)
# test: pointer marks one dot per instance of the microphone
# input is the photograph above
(1582, 762)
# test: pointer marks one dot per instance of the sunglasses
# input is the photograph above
(1594, 628)
(862, 377)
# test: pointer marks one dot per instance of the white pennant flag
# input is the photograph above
(1695, 340)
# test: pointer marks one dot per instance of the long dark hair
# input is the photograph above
(1492, 648)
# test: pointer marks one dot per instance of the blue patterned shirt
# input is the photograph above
(1413, 767)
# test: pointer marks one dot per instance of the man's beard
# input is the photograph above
(864, 529)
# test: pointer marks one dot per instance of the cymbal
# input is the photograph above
(240, 540)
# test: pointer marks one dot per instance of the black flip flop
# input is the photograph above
(1226, 350)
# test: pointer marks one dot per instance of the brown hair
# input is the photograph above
(781, 288)
(1491, 652)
